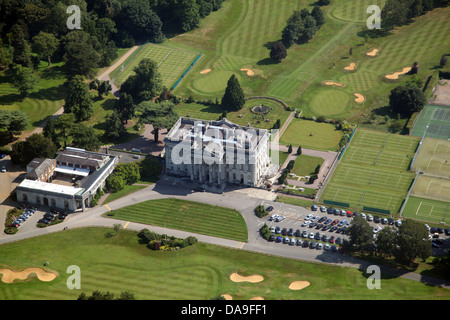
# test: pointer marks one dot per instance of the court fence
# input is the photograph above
(186, 71)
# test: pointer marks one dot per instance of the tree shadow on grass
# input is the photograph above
(9, 99)
(267, 61)
(53, 93)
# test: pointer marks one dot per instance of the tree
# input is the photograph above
(141, 21)
(278, 51)
(22, 51)
(150, 168)
(294, 27)
(115, 182)
(45, 45)
(412, 242)
(145, 84)
(324, 2)
(299, 150)
(80, 56)
(188, 13)
(130, 172)
(34, 146)
(310, 29)
(318, 15)
(360, 234)
(386, 241)
(160, 115)
(394, 13)
(14, 122)
(102, 87)
(415, 68)
(125, 107)
(78, 100)
(23, 79)
(233, 99)
(64, 124)
(114, 127)
(290, 148)
(405, 100)
(443, 61)
(84, 137)
(97, 295)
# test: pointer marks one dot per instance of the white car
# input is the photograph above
(273, 217)
(315, 219)
(376, 229)
(326, 247)
(304, 224)
(309, 216)
(369, 217)
(363, 215)
(280, 218)
(323, 209)
(311, 235)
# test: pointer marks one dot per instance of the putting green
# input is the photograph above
(329, 102)
(214, 81)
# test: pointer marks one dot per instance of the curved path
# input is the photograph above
(243, 200)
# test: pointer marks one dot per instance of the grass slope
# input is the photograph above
(202, 271)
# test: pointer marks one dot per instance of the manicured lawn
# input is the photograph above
(128, 189)
(46, 98)
(187, 215)
(312, 135)
(432, 211)
(200, 272)
(305, 165)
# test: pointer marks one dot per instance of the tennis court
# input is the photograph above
(373, 171)
(434, 121)
(172, 62)
(433, 158)
(427, 210)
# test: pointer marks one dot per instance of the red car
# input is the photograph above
(349, 214)
(335, 222)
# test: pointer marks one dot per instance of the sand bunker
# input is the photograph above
(299, 285)
(372, 53)
(205, 71)
(9, 276)
(250, 72)
(332, 83)
(229, 297)
(359, 97)
(395, 75)
(350, 67)
(253, 278)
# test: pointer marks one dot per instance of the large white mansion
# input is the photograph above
(217, 152)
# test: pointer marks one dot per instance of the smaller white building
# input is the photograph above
(70, 181)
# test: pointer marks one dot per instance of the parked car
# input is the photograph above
(337, 212)
(272, 237)
(333, 248)
(273, 217)
(299, 242)
(342, 223)
(280, 218)
(398, 223)
(315, 219)
(323, 209)
(328, 221)
(317, 236)
(286, 240)
(278, 239)
(319, 246)
(292, 241)
(376, 219)
(335, 222)
(319, 226)
(331, 239)
(312, 245)
(312, 224)
(349, 214)
(314, 207)
(330, 210)
(305, 223)
(376, 229)
(309, 216)
(338, 241)
(272, 229)
(284, 231)
(325, 228)
(390, 221)
(290, 232)
(324, 238)
(3, 168)
(277, 230)
(305, 234)
(369, 217)
(343, 213)
(305, 244)
(384, 221)
(311, 235)
(326, 247)
(298, 233)
(447, 231)
(322, 219)
(363, 215)
(269, 208)
(333, 229)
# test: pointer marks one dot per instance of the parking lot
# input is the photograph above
(324, 228)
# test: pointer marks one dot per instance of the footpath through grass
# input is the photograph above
(188, 216)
